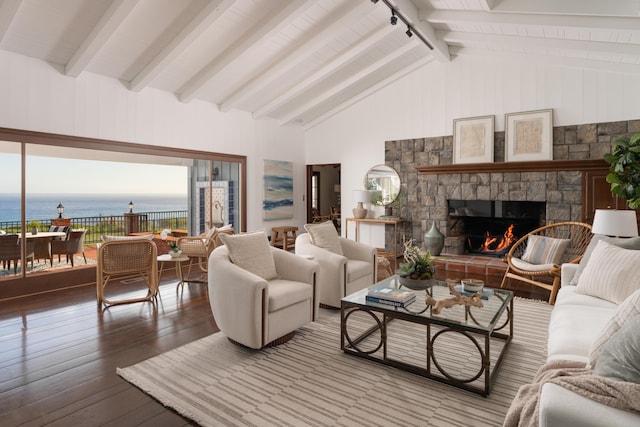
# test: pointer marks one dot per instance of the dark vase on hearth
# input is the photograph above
(434, 240)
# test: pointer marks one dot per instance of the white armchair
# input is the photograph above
(252, 308)
(345, 266)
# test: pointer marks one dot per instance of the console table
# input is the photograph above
(384, 221)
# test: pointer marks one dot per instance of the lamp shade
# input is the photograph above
(612, 222)
(361, 196)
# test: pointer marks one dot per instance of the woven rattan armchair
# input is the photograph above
(127, 259)
(199, 248)
(547, 275)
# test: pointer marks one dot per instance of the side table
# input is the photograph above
(178, 260)
(284, 237)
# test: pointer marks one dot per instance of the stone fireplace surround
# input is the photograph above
(428, 193)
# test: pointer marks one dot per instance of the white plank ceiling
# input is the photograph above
(301, 61)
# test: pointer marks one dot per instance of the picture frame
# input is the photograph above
(277, 201)
(529, 136)
(473, 139)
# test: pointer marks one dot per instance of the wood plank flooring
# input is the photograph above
(59, 353)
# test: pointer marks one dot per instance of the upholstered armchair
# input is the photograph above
(346, 266)
(260, 295)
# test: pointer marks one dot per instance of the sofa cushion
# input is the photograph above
(619, 357)
(544, 250)
(251, 252)
(325, 235)
(626, 243)
(611, 273)
(629, 309)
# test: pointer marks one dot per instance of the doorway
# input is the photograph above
(324, 194)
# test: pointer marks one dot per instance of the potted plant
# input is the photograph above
(417, 270)
(624, 169)
(397, 202)
(174, 249)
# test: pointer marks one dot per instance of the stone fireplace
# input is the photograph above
(430, 181)
(487, 227)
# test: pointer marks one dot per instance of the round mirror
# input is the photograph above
(386, 181)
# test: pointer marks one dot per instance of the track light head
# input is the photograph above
(409, 33)
(394, 18)
(374, 1)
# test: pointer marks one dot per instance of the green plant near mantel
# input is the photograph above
(624, 169)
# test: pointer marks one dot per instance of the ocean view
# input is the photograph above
(43, 206)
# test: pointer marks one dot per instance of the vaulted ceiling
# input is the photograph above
(301, 61)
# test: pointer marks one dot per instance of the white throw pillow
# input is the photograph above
(325, 235)
(629, 309)
(611, 273)
(619, 358)
(251, 252)
(544, 250)
(626, 243)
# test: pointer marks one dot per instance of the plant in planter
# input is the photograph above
(398, 201)
(174, 249)
(417, 267)
(624, 169)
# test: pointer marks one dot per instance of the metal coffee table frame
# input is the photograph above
(356, 303)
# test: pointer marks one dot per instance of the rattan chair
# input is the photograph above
(74, 244)
(547, 276)
(127, 259)
(199, 248)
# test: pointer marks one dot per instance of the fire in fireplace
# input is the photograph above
(492, 227)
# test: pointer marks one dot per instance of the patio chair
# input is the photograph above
(119, 260)
(74, 244)
(10, 251)
(536, 258)
(200, 247)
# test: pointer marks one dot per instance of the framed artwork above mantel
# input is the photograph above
(529, 136)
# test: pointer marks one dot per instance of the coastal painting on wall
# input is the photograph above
(473, 140)
(529, 136)
(278, 190)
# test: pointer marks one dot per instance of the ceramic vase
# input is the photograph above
(434, 240)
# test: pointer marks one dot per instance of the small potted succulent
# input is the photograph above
(418, 270)
(174, 249)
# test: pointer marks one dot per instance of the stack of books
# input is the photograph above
(390, 295)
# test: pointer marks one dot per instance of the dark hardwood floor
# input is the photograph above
(59, 353)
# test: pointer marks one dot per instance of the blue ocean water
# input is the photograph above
(44, 206)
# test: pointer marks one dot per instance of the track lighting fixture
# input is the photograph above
(409, 33)
(394, 18)
(411, 30)
(374, 1)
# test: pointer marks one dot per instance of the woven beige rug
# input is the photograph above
(309, 381)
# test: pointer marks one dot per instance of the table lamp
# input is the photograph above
(613, 222)
(360, 196)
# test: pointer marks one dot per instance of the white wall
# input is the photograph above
(38, 97)
(425, 103)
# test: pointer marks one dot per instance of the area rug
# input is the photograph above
(309, 381)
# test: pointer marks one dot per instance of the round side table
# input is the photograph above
(178, 260)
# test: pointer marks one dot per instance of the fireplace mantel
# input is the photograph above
(542, 166)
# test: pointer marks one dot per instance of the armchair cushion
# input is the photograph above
(251, 252)
(357, 269)
(283, 293)
(325, 235)
(544, 250)
(106, 238)
(611, 273)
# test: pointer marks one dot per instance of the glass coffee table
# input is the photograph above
(453, 347)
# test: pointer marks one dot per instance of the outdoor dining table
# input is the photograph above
(42, 247)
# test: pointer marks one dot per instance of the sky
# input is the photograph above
(48, 174)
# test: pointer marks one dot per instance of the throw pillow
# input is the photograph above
(251, 252)
(619, 358)
(611, 273)
(325, 235)
(626, 243)
(544, 250)
(629, 309)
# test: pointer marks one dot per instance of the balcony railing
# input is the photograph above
(113, 225)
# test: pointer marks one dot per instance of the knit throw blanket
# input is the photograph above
(576, 377)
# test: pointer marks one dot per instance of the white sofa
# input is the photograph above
(576, 321)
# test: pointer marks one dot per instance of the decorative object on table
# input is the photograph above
(416, 267)
(278, 190)
(387, 293)
(472, 285)
(34, 230)
(174, 249)
(616, 223)
(398, 202)
(434, 240)
(486, 292)
(360, 197)
(474, 300)
(473, 140)
(624, 169)
(165, 233)
(529, 136)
